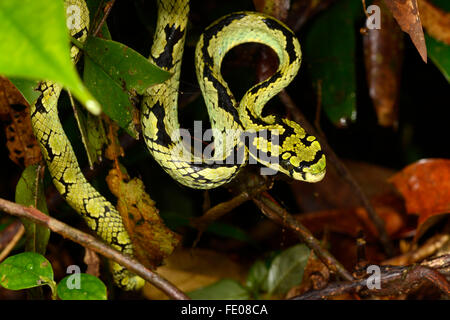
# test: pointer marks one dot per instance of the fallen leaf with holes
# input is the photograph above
(14, 110)
(383, 51)
(425, 186)
(190, 269)
(152, 240)
(407, 15)
(435, 21)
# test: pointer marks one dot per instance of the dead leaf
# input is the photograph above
(333, 192)
(276, 8)
(425, 186)
(152, 240)
(353, 220)
(383, 51)
(190, 269)
(22, 145)
(92, 261)
(315, 277)
(407, 16)
(435, 21)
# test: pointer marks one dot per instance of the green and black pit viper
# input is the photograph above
(299, 154)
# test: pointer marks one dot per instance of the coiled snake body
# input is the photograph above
(299, 154)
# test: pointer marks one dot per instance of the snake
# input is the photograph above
(239, 130)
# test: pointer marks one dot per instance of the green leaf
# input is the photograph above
(225, 289)
(330, 48)
(25, 270)
(30, 194)
(286, 270)
(34, 42)
(27, 88)
(81, 286)
(257, 277)
(439, 53)
(111, 71)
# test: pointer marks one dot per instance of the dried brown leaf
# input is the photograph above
(353, 220)
(277, 8)
(435, 21)
(383, 51)
(21, 143)
(92, 261)
(152, 240)
(190, 269)
(407, 15)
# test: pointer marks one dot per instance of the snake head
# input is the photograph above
(301, 155)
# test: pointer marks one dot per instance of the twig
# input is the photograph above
(393, 281)
(281, 216)
(93, 244)
(343, 172)
(12, 243)
(106, 12)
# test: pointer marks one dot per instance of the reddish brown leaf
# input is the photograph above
(425, 186)
(14, 110)
(407, 16)
(352, 221)
(333, 192)
(435, 21)
(383, 50)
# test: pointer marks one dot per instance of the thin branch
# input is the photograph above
(12, 243)
(94, 244)
(281, 216)
(343, 172)
(106, 12)
(393, 281)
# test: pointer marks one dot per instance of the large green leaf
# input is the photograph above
(34, 42)
(329, 48)
(225, 289)
(111, 71)
(25, 270)
(30, 194)
(286, 270)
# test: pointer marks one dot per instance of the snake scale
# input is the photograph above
(299, 154)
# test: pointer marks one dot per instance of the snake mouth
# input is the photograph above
(309, 177)
(313, 173)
